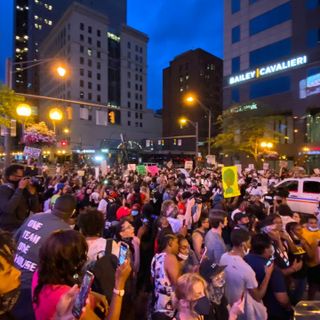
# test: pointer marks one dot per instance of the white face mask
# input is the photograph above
(313, 229)
(182, 256)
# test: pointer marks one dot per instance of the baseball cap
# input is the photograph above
(239, 215)
(209, 269)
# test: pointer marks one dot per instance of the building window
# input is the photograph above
(98, 76)
(99, 44)
(313, 38)
(271, 52)
(137, 124)
(98, 87)
(89, 29)
(129, 104)
(136, 105)
(129, 94)
(137, 115)
(129, 123)
(141, 116)
(235, 6)
(89, 85)
(98, 33)
(98, 65)
(235, 95)
(81, 37)
(81, 49)
(270, 87)
(129, 45)
(235, 65)
(81, 72)
(89, 40)
(81, 94)
(89, 51)
(270, 19)
(140, 124)
(81, 83)
(98, 98)
(89, 63)
(129, 114)
(81, 26)
(89, 74)
(129, 84)
(98, 54)
(312, 4)
(235, 34)
(81, 60)
(89, 96)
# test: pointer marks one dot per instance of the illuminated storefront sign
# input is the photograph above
(246, 107)
(267, 70)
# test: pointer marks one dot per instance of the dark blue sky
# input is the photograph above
(173, 26)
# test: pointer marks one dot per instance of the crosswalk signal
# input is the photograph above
(112, 117)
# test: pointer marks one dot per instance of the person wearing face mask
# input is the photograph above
(312, 236)
(241, 280)
(30, 237)
(186, 256)
(215, 278)
(9, 276)
(17, 197)
(260, 259)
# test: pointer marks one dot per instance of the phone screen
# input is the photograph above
(123, 253)
(269, 262)
(82, 296)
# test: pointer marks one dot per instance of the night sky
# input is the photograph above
(173, 26)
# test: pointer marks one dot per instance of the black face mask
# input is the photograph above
(14, 183)
(8, 300)
(202, 306)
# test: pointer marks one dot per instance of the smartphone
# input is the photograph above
(123, 253)
(203, 254)
(269, 262)
(82, 296)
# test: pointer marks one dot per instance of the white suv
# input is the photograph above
(304, 193)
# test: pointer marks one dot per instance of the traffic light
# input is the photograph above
(111, 117)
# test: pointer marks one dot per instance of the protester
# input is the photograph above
(9, 276)
(213, 240)
(30, 237)
(198, 235)
(18, 197)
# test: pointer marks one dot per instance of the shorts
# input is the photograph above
(313, 274)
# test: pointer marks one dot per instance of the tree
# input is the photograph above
(39, 135)
(8, 103)
(244, 131)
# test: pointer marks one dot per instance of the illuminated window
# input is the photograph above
(89, 52)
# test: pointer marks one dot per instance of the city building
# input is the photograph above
(199, 73)
(34, 19)
(107, 71)
(272, 67)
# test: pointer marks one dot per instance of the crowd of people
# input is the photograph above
(191, 252)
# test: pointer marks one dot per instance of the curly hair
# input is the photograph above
(62, 256)
(7, 247)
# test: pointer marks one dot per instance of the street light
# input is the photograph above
(23, 110)
(66, 130)
(184, 121)
(24, 65)
(267, 145)
(55, 114)
(191, 99)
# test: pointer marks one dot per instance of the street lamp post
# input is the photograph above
(191, 99)
(184, 121)
(55, 114)
(24, 111)
(25, 65)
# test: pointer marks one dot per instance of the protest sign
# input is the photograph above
(132, 167)
(230, 182)
(153, 170)
(31, 152)
(188, 165)
(141, 169)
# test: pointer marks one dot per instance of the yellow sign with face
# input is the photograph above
(230, 182)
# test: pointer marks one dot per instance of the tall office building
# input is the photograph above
(33, 21)
(272, 66)
(197, 72)
(104, 68)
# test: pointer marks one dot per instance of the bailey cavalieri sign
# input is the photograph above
(268, 70)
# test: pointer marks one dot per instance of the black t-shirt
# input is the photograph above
(276, 285)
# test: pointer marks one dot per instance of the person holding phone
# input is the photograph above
(274, 295)
(61, 260)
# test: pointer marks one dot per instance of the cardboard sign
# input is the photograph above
(132, 167)
(80, 173)
(188, 165)
(265, 166)
(141, 169)
(31, 152)
(211, 159)
(230, 182)
(153, 170)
